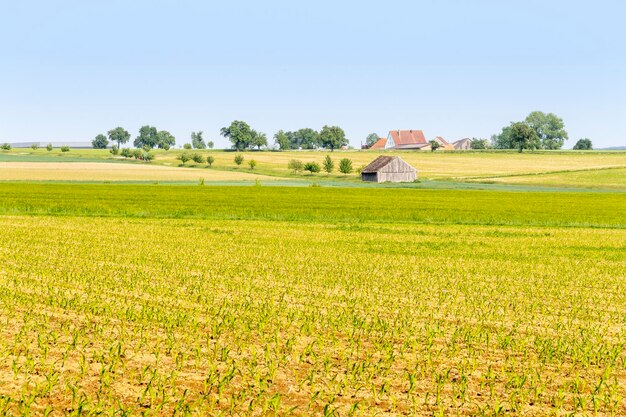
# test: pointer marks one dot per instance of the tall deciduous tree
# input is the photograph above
(119, 135)
(165, 140)
(333, 137)
(371, 139)
(282, 140)
(239, 133)
(258, 139)
(523, 136)
(549, 128)
(100, 142)
(583, 144)
(148, 136)
(197, 141)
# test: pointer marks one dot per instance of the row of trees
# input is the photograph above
(242, 137)
(345, 166)
(149, 137)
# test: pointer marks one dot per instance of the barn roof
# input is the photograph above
(381, 162)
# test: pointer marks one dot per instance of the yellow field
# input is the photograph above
(102, 171)
(606, 178)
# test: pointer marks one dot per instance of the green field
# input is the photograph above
(152, 299)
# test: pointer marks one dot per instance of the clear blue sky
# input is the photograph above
(71, 69)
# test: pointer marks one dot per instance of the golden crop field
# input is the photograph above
(188, 300)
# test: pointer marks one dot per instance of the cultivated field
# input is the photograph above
(546, 169)
(142, 299)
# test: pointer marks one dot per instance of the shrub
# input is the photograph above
(196, 157)
(345, 166)
(114, 150)
(5, 147)
(34, 146)
(312, 167)
(329, 165)
(210, 160)
(49, 147)
(147, 156)
(252, 163)
(126, 153)
(187, 146)
(65, 148)
(183, 157)
(137, 153)
(239, 159)
(296, 165)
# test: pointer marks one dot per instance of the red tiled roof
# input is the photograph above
(408, 137)
(379, 144)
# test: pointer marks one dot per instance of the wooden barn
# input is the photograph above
(389, 169)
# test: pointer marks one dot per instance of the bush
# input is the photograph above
(345, 166)
(183, 157)
(329, 165)
(126, 153)
(34, 146)
(295, 165)
(5, 147)
(312, 167)
(196, 157)
(583, 144)
(252, 163)
(137, 153)
(187, 146)
(147, 156)
(239, 159)
(210, 160)
(65, 148)
(49, 147)
(114, 150)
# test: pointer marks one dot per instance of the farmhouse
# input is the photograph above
(388, 168)
(402, 139)
(462, 144)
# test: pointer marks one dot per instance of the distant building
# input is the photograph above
(402, 139)
(462, 144)
(389, 169)
(443, 144)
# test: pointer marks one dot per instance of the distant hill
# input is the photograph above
(613, 148)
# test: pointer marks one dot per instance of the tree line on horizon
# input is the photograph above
(537, 131)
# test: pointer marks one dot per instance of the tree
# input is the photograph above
(523, 136)
(100, 142)
(258, 139)
(49, 147)
(548, 128)
(238, 159)
(282, 140)
(165, 140)
(210, 144)
(333, 137)
(183, 157)
(197, 140)
(345, 166)
(583, 144)
(329, 165)
(371, 139)
(239, 133)
(5, 146)
(306, 138)
(503, 140)
(65, 148)
(148, 136)
(296, 165)
(479, 143)
(119, 135)
(197, 158)
(126, 153)
(252, 163)
(114, 150)
(34, 146)
(187, 146)
(210, 160)
(312, 167)
(434, 145)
